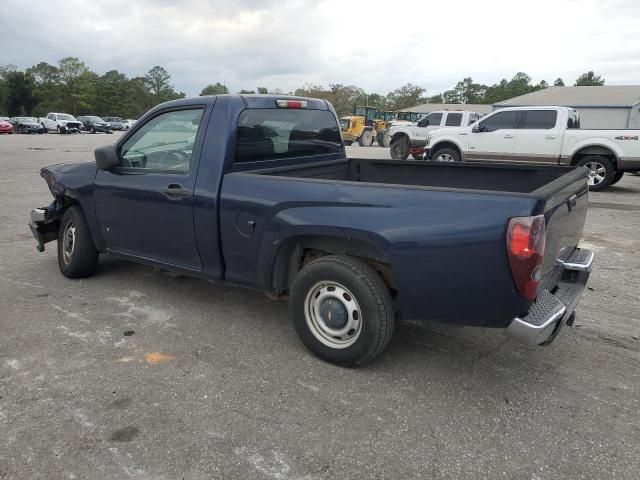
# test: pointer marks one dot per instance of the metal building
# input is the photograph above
(608, 106)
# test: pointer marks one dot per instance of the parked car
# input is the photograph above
(93, 124)
(410, 138)
(61, 123)
(544, 136)
(114, 122)
(27, 125)
(128, 123)
(264, 196)
(5, 127)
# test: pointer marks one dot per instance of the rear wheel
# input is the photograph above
(617, 177)
(348, 143)
(342, 310)
(400, 148)
(446, 155)
(77, 255)
(366, 139)
(601, 171)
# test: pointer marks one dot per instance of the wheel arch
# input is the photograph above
(446, 144)
(594, 149)
(297, 251)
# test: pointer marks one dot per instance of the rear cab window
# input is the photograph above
(273, 134)
(453, 120)
(538, 120)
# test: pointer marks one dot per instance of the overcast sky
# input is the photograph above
(377, 45)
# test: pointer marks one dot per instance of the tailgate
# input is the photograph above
(565, 212)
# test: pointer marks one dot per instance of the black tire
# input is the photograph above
(617, 177)
(79, 259)
(59, 130)
(384, 138)
(400, 148)
(348, 143)
(446, 153)
(417, 156)
(368, 291)
(366, 139)
(598, 179)
(92, 130)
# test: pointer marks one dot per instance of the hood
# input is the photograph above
(68, 176)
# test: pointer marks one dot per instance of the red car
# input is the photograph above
(6, 127)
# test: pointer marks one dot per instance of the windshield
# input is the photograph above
(64, 116)
(95, 119)
(27, 120)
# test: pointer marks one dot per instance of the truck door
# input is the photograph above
(539, 137)
(494, 138)
(425, 125)
(145, 206)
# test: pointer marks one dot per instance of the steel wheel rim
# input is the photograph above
(445, 157)
(68, 242)
(597, 172)
(339, 336)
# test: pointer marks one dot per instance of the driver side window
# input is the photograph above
(164, 144)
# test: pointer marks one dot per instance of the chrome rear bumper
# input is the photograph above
(551, 310)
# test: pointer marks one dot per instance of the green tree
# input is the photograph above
(214, 89)
(246, 92)
(20, 96)
(158, 82)
(263, 90)
(558, 82)
(72, 74)
(406, 96)
(436, 98)
(589, 79)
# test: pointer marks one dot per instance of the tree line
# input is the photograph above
(70, 86)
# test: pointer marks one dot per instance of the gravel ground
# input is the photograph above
(213, 382)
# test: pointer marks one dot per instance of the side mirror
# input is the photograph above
(423, 123)
(106, 157)
(476, 128)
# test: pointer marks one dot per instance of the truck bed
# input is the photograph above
(490, 177)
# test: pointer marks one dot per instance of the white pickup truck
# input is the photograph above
(61, 123)
(410, 138)
(540, 135)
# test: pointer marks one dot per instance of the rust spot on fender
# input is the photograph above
(156, 357)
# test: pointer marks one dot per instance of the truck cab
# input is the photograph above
(410, 139)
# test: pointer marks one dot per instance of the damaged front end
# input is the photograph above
(45, 222)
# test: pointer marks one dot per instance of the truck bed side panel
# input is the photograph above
(446, 249)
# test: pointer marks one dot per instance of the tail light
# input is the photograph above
(525, 249)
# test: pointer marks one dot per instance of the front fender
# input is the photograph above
(73, 183)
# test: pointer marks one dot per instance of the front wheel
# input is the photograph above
(77, 255)
(342, 310)
(601, 171)
(400, 148)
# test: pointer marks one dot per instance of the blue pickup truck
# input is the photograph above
(258, 191)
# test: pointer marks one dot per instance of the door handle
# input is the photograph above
(550, 137)
(175, 189)
(508, 136)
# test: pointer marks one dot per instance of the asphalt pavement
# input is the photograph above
(134, 373)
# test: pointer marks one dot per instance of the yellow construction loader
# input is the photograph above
(361, 127)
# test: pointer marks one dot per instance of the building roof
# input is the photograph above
(432, 107)
(604, 96)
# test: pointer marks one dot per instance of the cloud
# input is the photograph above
(376, 45)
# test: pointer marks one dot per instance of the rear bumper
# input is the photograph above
(551, 310)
